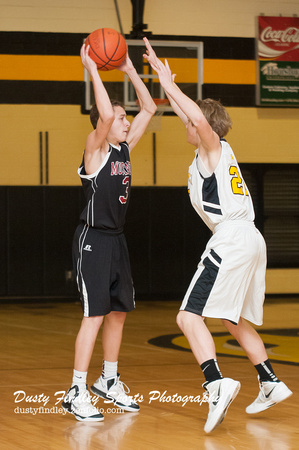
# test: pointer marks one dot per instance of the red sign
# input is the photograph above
(278, 38)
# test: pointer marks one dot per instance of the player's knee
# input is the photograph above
(228, 325)
(95, 321)
(180, 320)
(118, 317)
(231, 327)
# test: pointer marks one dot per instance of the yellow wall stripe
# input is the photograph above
(47, 68)
(228, 71)
(69, 68)
(37, 67)
(215, 71)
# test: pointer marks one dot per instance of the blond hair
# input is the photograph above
(216, 115)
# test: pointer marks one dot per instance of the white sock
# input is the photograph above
(79, 379)
(109, 369)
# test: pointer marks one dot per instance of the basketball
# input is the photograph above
(108, 48)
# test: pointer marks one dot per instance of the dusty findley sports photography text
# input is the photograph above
(21, 396)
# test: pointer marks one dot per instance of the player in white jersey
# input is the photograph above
(229, 283)
(236, 254)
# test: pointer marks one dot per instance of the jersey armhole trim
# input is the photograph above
(93, 175)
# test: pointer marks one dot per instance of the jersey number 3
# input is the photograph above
(123, 198)
(237, 182)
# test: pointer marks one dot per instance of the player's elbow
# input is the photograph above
(149, 107)
(152, 108)
(198, 121)
(107, 120)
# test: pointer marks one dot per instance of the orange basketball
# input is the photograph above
(108, 48)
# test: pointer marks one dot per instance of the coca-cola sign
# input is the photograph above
(278, 61)
(278, 38)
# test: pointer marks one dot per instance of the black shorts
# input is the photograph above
(103, 272)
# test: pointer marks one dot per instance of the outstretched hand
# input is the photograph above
(87, 62)
(163, 70)
(151, 56)
(127, 65)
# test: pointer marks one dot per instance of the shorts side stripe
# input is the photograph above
(201, 287)
(215, 256)
(80, 280)
(85, 300)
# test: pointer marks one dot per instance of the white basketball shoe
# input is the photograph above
(79, 404)
(114, 390)
(271, 393)
(221, 393)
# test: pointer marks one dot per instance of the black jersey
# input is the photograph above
(107, 191)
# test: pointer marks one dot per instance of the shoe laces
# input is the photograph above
(121, 387)
(120, 391)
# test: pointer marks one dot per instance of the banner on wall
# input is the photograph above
(278, 61)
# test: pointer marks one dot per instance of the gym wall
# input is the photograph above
(170, 17)
(41, 84)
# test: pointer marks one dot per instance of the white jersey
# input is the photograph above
(223, 195)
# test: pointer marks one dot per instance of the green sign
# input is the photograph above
(279, 83)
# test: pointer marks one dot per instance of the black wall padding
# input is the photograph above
(37, 226)
(165, 236)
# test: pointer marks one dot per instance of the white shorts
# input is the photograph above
(230, 279)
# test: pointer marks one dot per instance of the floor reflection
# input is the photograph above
(268, 436)
(103, 435)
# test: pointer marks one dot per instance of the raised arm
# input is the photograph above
(146, 103)
(176, 107)
(96, 146)
(182, 103)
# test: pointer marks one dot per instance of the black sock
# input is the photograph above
(211, 370)
(266, 372)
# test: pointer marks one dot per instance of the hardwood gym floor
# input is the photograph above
(37, 342)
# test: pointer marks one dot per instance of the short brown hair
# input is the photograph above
(216, 115)
(94, 113)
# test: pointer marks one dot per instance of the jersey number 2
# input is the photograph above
(237, 182)
(123, 198)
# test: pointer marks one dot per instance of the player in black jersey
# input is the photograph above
(100, 253)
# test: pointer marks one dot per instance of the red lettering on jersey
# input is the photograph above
(128, 168)
(120, 168)
(123, 199)
(114, 167)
